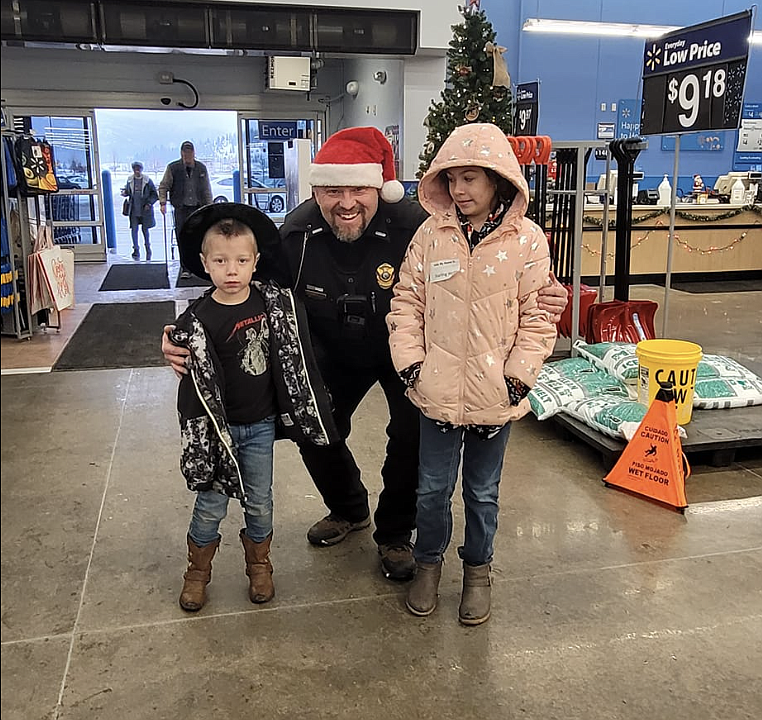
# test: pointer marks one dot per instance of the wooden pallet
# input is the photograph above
(716, 432)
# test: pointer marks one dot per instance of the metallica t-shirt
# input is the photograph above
(241, 338)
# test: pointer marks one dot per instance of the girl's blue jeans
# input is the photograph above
(439, 461)
(254, 453)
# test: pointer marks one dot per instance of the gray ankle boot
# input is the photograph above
(475, 602)
(422, 594)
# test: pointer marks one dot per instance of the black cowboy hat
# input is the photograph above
(195, 227)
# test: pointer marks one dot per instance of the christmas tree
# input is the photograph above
(478, 87)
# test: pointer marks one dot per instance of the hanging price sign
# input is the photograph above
(526, 108)
(693, 78)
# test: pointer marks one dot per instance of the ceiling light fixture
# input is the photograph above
(607, 29)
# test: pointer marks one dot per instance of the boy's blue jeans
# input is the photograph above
(439, 460)
(254, 453)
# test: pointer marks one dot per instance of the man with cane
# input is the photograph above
(186, 185)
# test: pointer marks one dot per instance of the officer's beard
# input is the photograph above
(349, 234)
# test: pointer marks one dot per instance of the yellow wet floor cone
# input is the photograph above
(652, 464)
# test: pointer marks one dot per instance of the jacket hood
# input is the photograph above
(476, 144)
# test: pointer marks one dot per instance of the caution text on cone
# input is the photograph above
(653, 464)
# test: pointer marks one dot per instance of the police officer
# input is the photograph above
(341, 251)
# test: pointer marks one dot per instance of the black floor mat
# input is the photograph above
(138, 276)
(192, 281)
(118, 335)
(718, 286)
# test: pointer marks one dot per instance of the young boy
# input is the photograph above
(233, 395)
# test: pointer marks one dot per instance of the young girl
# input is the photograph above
(469, 341)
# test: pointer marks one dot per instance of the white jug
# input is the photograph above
(665, 192)
(737, 192)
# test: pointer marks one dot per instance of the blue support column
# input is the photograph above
(108, 210)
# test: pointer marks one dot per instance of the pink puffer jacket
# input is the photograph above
(472, 319)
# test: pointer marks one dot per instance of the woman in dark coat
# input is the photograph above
(141, 195)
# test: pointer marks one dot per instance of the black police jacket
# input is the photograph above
(347, 287)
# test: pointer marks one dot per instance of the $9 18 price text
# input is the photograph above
(693, 90)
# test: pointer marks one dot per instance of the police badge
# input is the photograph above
(385, 276)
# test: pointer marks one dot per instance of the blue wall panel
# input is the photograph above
(579, 73)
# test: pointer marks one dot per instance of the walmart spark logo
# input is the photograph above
(653, 57)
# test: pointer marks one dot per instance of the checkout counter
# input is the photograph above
(710, 237)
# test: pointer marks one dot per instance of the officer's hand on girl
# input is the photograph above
(553, 299)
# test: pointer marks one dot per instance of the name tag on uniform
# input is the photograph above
(317, 293)
(443, 269)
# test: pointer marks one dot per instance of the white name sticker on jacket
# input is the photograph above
(443, 269)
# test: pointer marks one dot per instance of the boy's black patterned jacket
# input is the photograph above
(304, 409)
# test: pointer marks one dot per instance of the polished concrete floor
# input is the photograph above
(606, 606)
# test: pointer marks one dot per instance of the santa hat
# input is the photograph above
(357, 157)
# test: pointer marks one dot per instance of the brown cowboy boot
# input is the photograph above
(423, 591)
(259, 568)
(475, 600)
(198, 574)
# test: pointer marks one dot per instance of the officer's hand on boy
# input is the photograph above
(176, 356)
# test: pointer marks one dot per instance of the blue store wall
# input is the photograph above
(578, 73)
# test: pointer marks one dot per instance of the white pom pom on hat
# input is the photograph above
(357, 157)
(392, 191)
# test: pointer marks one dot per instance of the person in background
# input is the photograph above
(187, 187)
(340, 252)
(236, 388)
(468, 339)
(141, 195)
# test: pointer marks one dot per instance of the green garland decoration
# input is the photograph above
(682, 214)
(722, 216)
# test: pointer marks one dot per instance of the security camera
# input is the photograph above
(166, 101)
(353, 87)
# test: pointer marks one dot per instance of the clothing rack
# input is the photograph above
(19, 247)
(30, 214)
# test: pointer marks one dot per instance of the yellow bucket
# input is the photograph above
(675, 361)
